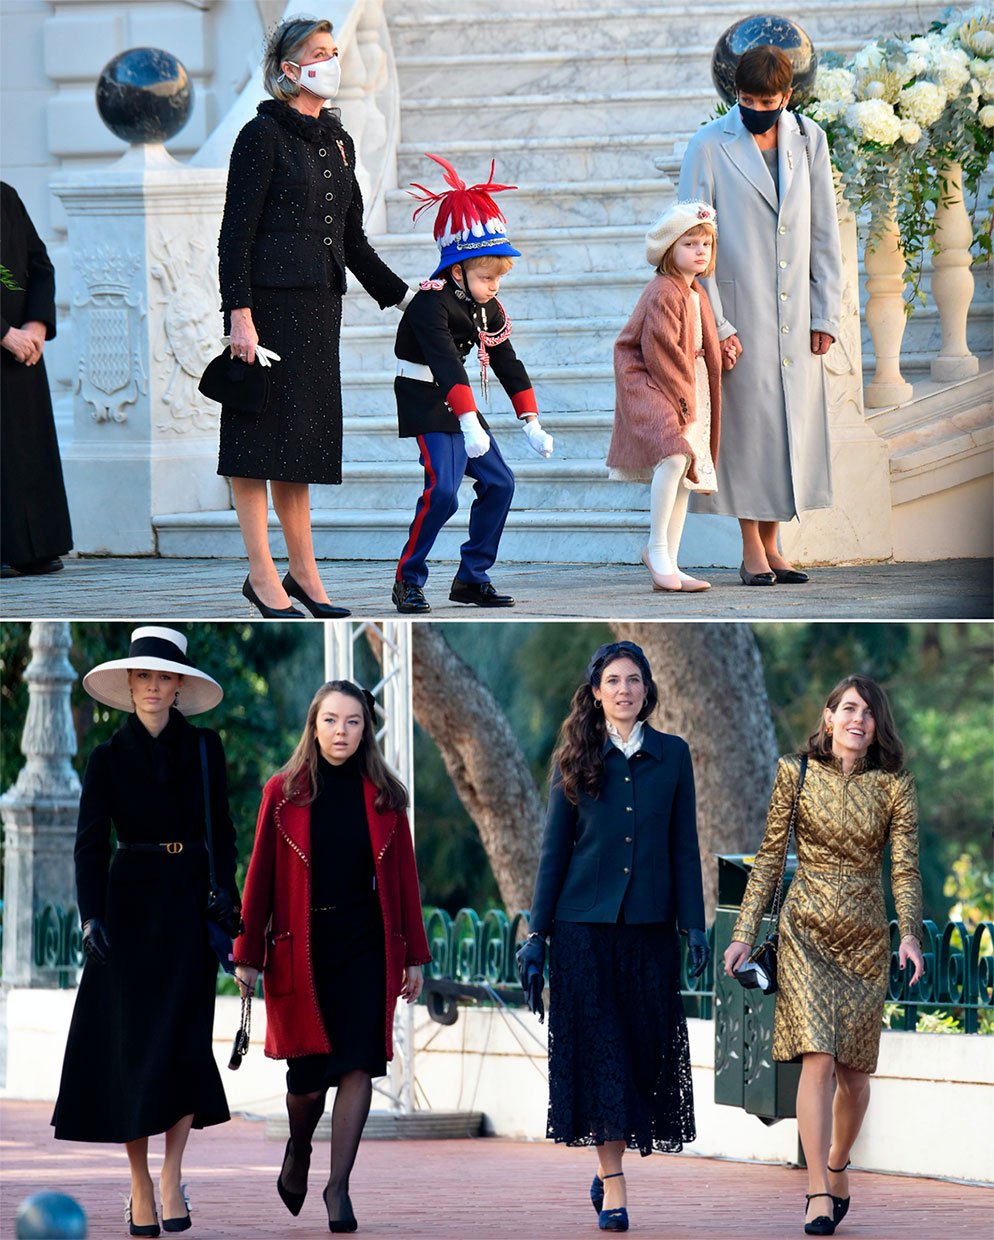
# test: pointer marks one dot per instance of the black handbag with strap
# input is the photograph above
(760, 970)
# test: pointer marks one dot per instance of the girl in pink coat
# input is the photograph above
(667, 372)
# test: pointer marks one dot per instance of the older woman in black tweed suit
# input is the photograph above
(292, 224)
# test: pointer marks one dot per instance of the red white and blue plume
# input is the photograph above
(469, 223)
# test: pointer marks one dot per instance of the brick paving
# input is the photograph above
(172, 589)
(486, 1189)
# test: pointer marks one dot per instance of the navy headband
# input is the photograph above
(617, 650)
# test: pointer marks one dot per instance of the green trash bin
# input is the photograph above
(745, 1074)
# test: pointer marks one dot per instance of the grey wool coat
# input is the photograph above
(778, 277)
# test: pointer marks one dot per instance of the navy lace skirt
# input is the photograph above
(619, 1059)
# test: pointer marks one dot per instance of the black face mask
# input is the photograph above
(757, 121)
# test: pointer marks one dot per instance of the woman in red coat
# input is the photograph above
(332, 916)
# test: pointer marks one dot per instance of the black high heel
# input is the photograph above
(616, 1219)
(840, 1204)
(183, 1223)
(140, 1229)
(293, 1201)
(320, 611)
(267, 612)
(349, 1222)
(822, 1225)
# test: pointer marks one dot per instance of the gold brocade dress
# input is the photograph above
(834, 948)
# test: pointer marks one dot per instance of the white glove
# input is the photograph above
(406, 300)
(539, 441)
(475, 438)
(265, 357)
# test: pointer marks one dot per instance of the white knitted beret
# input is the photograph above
(677, 219)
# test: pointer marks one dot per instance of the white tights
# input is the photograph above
(668, 500)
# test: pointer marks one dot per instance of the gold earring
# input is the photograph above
(597, 704)
(828, 728)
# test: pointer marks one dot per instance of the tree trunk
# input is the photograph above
(711, 692)
(484, 762)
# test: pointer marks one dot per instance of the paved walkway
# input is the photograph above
(167, 589)
(486, 1189)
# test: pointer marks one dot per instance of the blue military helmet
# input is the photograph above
(50, 1216)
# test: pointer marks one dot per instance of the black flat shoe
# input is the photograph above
(756, 579)
(597, 1193)
(293, 1201)
(409, 598)
(348, 1222)
(8, 570)
(183, 1223)
(822, 1225)
(267, 612)
(790, 577)
(840, 1205)
(478, 593)
(38, 568)
(141, 1229)
(320, 611)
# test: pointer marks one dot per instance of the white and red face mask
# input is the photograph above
(322, 78)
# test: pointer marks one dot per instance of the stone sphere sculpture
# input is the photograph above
(50, 1216)
(755, 31)
(144, 95)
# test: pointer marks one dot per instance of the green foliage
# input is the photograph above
(935, 1020)
(971, 885)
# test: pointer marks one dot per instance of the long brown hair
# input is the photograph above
(887, 749)
(300, 773)
(579, 752)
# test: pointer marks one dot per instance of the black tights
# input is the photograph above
(348, 1117)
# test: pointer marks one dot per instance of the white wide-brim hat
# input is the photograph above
(154, 649)
(678, 218)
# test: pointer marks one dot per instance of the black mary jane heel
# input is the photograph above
(822, 1225)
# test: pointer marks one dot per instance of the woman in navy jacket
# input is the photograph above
(619, 871)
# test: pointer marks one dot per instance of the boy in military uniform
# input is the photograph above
(454, 311)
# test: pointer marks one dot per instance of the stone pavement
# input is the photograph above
(487, 1189)
(172, 589)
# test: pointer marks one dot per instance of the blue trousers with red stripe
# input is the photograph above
(445, 463)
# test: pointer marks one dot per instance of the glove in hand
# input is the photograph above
(530, 962)
(700, 953)
(96, 944)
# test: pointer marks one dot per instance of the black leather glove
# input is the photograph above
(96, 944)
(530, 962)
(700, 953)
(222, 909)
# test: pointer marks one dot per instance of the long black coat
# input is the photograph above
(34, 514)
(633, 847)
(139, 1054)
(292, 224)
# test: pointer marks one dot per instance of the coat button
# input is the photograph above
(626, 870)
(328, 197)
(781, 230)
(628, 808)
(786, 361)
(327, 219)
(327, 241)
(628, 839)
(783, 296)
(322, 151)
(327, 174)
(785, 329)
(783, 261)
(628, 779)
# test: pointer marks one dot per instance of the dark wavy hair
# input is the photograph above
(579, 750)
(300, 773)
(887, 749)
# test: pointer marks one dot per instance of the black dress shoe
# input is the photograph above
(8, 570)
(790, 576)
(822, 1225)
(479, 593)
(37, 568)
(348, 1222)
(320, 611)
(183, 1222)
(756, 579)
(409, 598)
(294, 1202)
(267, 612)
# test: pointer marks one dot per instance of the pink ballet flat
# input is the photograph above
(661, 581)
(693, 585)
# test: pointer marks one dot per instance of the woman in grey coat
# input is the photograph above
(776, 296)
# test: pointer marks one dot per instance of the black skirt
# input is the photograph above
(349, 962)
(139, 1055)
(299, 437)
(619, 1058)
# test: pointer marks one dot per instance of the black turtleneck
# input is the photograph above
(342, 868)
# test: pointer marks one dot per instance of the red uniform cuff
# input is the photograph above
(525, 402)
(460, 399)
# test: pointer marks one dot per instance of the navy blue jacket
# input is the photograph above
(633, 847)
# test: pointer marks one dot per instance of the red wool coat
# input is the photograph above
(655, 387)
(276, 907)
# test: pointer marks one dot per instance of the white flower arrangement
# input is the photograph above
(923, 102)
(874, 120)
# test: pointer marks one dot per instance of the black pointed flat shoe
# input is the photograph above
(756, 579)
(790, 577)
(478, 594)
(141, 1229)
(822, 1225)
(409, 599)
(320, 611)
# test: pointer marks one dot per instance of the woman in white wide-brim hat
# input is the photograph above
(138, 1058)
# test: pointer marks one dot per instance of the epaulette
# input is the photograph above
(431, 286)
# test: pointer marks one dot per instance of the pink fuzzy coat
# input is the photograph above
(655, 388)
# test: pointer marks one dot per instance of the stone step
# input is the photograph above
(575, 27)
(561, 204)
(951, 399)
(561, 389)
(569, 112)
(579, 435)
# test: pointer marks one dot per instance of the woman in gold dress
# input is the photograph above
(834, 944)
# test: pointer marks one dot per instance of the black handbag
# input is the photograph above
(224, 921)
(237, 385)
(240, 1045)
(760, 970)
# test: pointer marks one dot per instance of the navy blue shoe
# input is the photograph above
(613, 1220)
(597, 1193)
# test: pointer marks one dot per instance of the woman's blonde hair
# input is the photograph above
(667, 265)
(285, 43)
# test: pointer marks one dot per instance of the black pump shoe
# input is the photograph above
(756, 579)
(141, 1229)
(597, 1193)
(348, 1223)
(822, 1225)
(267, 612)
(183, 1223)
(840, 1204)
(479, 593)
(320, 611)
(293, 1201)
